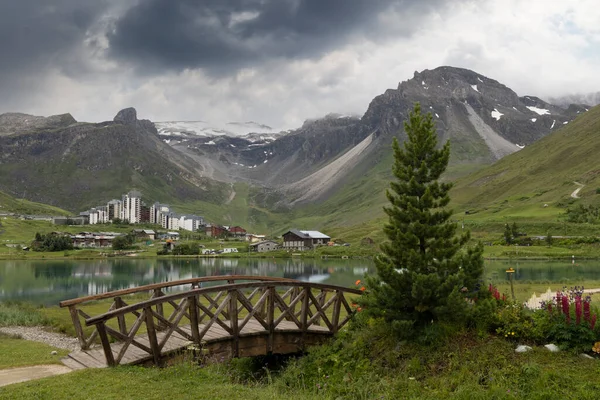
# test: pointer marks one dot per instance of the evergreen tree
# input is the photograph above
(514, 230)
(508, 235)
(424, 273)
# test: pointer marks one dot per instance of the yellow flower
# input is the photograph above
(512, 333)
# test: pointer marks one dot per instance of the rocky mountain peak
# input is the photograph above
(127, 116)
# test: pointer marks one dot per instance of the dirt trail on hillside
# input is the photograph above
(575, 193)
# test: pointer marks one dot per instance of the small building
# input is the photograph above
(253, 238)
(264, 246)
(304, 240)
(216, 231)
(230, 250)
(144, 234)
(237, 231)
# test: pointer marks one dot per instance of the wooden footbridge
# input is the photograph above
(219, 316)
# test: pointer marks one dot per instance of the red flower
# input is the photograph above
(578, 310)
(586, 311)
(565, 308)
(357, 282)
(363, 289)
(593, 322)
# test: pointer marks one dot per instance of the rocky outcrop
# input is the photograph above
(13, 123)
(127, 116)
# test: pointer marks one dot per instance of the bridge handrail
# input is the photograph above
(194, 292)
(154, 286)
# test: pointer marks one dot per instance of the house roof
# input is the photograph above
(309, 234)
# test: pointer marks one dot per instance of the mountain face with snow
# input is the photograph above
(191, 129)
(60, 161)
(483, 119)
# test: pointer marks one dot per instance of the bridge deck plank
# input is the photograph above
(95, 358)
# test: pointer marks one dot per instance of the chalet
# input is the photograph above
(304, 240)
(237, 231)
(216, 231)
(264, 246)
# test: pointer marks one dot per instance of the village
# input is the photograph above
(132, 210)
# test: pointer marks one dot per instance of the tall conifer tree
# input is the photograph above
(424, 273)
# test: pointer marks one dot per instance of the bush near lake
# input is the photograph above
(51, 242)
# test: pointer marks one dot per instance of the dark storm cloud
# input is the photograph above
(221, 35)
(37, 35)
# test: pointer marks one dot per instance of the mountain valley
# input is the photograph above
(330, 171)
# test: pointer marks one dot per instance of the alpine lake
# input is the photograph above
(47, 282)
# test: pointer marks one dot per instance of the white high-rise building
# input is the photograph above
(131, 210)
(157, 211)
(113, 209)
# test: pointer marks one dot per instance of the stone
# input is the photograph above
(54, 352)
(522, 349)
(552, 347)
(583, 355)
(126, 116)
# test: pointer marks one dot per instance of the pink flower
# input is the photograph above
(578, 310)
(586, 311)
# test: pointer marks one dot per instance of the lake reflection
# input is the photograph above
(48, 282)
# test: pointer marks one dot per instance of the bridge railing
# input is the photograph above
(229, 308)
(78, 313)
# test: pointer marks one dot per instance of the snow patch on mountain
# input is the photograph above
(539, 111)
(496, 114)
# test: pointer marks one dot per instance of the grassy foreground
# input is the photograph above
(364, 366)
(16, 352)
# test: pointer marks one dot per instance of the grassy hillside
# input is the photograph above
(9, 204)
(537, 182)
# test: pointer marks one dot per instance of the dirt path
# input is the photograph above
(575, 193)
(17, 375)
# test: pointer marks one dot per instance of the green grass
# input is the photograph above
(9, 204)
(184, 381)
(366, 365)
(22, 314)
(16, 352)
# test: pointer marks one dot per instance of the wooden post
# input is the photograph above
(193, 311)
(293, 294)
(110, 359)
(121, 318)
(233, 323)
(159, 310)
(271, 318)
(78, 329)
(337, 305)
(304, 315)
(152, 335)
(321, 300)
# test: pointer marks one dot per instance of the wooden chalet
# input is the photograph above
(304, 240)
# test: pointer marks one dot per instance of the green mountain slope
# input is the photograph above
(538, 181)
(83, 165)
(9, 204)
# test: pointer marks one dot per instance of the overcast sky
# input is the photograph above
(278, 62)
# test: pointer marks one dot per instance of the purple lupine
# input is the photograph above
(578, 310)
(593, 321)
(586, 310)
(565, 308)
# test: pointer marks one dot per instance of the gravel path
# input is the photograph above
(39, 334)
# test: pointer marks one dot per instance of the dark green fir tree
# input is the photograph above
(425, 271)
